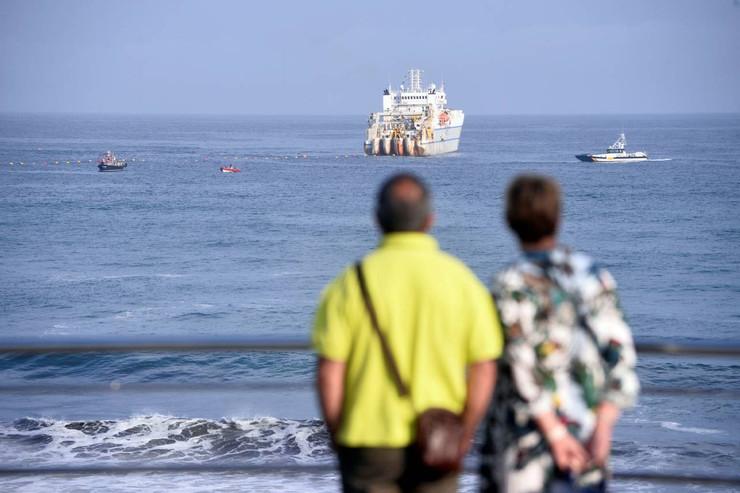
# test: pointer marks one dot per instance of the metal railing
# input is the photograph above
(193, 345)
(266, 469)
(240, 344)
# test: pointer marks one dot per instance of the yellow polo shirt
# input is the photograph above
(438, 318)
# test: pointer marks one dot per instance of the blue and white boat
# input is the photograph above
(615, 153)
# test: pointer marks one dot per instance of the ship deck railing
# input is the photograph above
(243, 345)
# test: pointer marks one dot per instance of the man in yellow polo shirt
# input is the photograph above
(442, 330)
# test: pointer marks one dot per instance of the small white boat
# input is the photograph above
(230, 169)
(615, 153)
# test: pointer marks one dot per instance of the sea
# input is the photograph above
(173, 248)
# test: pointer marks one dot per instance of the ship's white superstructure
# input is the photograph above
(414, 121)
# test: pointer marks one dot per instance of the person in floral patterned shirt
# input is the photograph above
(569, 361)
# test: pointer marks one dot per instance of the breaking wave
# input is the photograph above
(160, 438)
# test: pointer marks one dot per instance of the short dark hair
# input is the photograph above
(533, 207)
(397, 210)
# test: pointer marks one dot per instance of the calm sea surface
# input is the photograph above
(172, 247)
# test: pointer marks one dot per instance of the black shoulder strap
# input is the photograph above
(403, 390)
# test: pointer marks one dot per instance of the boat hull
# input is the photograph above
(385, 146)
(409, 146)
(444, 140)
(592, 158)
(398, 146)
(107, 168)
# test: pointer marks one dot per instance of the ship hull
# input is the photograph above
(385, 146)
(443, 141)
(592, 158)
(106, 168)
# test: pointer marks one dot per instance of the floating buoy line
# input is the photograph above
(61, 162)
(221, 159)
(273, 157)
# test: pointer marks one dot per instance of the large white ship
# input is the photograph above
(414, 121)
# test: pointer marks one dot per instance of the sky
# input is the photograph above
(322, 57)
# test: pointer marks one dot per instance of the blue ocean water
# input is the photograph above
(172, 247)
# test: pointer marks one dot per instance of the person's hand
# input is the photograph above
(568, 453)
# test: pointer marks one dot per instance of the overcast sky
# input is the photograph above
(314, 57)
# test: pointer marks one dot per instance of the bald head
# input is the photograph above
(403, 204)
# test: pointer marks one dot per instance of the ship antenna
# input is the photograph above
(415, 79)
(624, 139)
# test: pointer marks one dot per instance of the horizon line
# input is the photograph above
(304, 115)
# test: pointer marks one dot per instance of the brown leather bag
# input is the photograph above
(438, 436)
(438, 431)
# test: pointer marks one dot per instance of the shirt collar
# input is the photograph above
(538, 255)
(556, 256)
(412, 240)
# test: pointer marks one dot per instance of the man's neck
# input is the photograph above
(542, 245)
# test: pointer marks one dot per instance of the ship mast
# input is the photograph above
(414, 80)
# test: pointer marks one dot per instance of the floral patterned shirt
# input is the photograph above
(567, 343)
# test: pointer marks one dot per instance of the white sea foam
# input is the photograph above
(58, 330)
(75, 277)
(672, 425)
(163, 438)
